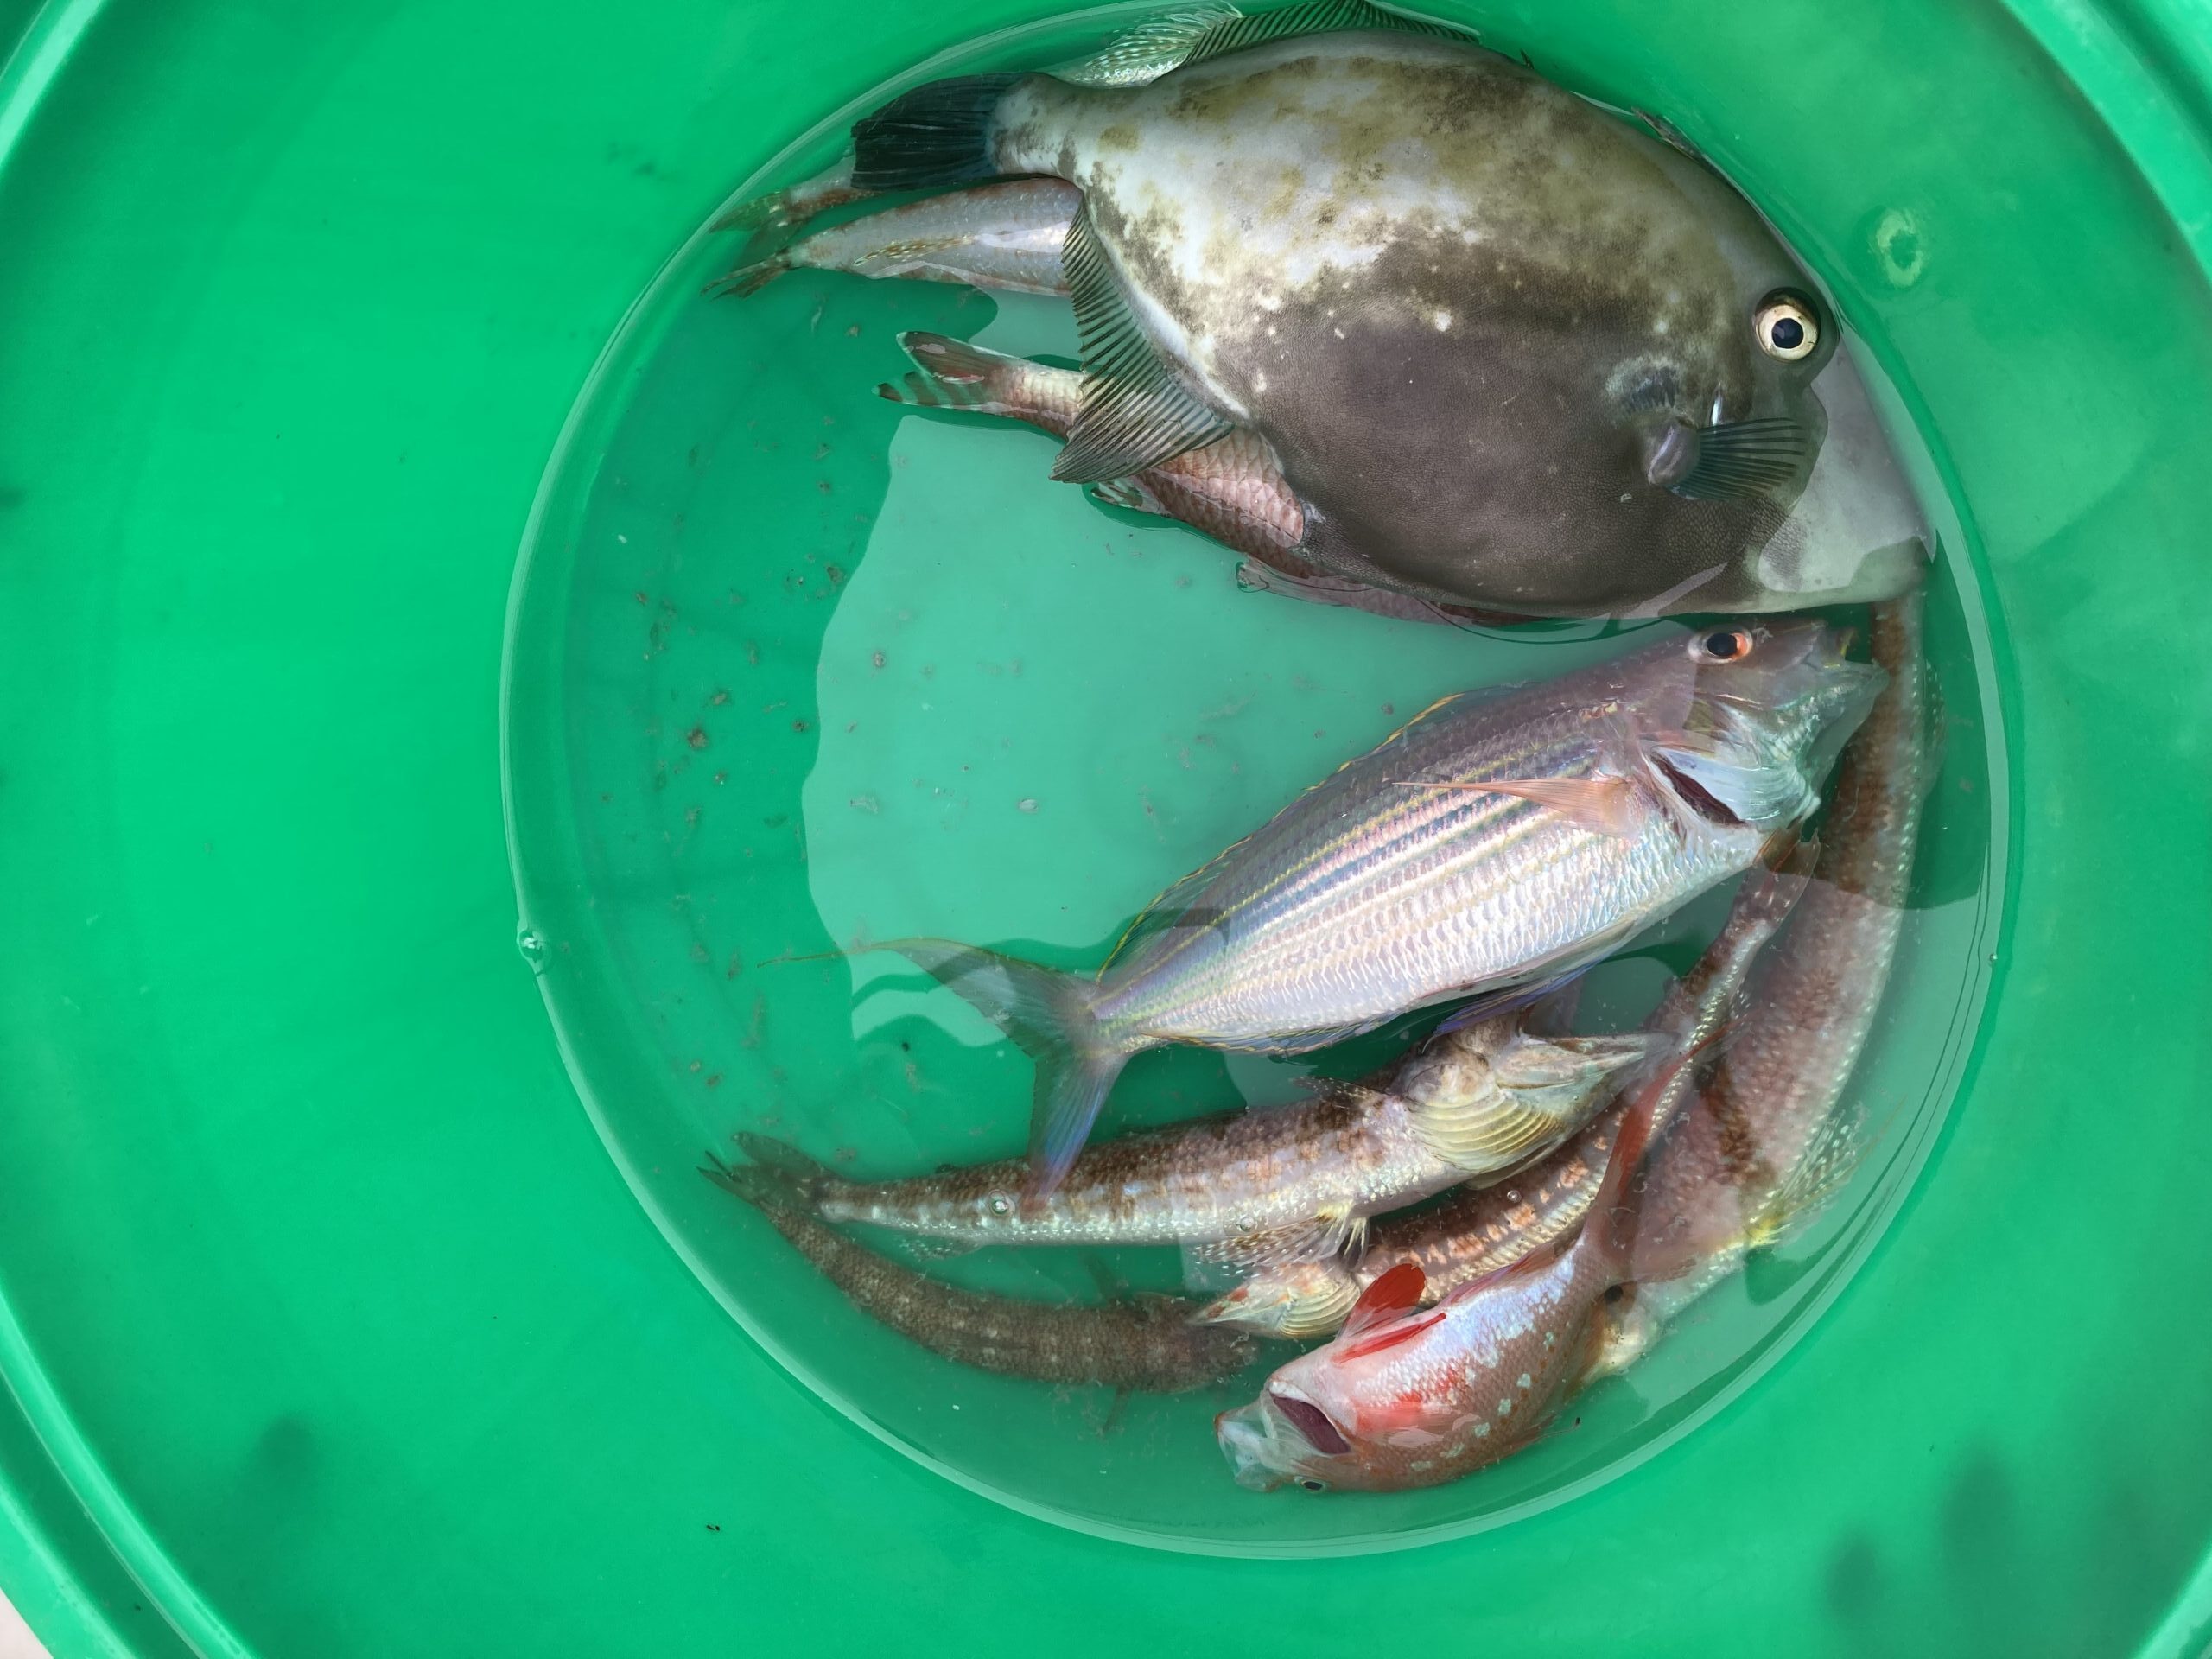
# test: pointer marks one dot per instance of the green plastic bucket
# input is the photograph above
(330, 1324)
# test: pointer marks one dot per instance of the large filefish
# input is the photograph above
(1510, 349)
(1500, 838)
(1286, 1183)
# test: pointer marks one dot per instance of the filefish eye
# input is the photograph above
(1723, 645)
(1786, 328)
(1313, 1485)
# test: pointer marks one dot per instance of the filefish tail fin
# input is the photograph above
(951, 374)
(742, 280)
(936, 136)
(795, 1172)
(1051, 1016)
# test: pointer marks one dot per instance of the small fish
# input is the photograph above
(1003, 236)
(1147, 1343)
(1403, 1397)
(1480, 1229)
(1394, 256)
(1499, 841)
(1273, 1184)
(1232, 489)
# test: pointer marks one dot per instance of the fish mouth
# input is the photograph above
(1248, 1439)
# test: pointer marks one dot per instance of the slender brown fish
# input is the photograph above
(1144, 1343)
(1269, 1185)
(1232, 490)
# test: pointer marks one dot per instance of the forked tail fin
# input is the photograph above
(1051, 1016)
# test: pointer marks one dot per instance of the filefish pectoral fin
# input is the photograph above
(1136, 412)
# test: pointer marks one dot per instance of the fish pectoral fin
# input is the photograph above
(1497, 1133)
(1606, 804)
(1136, 411)
(1342, 1229)
(1390, 1294)
(1268, 1247)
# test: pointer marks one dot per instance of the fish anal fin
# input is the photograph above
(1136, 411)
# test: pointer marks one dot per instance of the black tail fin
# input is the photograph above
(938, 134)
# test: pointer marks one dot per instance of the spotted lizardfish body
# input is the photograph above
(1399, 258)
(1275, 1184)
(1147, 1343)
(1500, 839)
(1481, 1230)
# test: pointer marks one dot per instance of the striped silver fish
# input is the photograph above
(1499, 840)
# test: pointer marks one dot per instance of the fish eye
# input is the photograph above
(1723, 645)
(1785, 326)
(1313, 1485)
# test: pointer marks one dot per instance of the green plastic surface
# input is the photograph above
(330, 1324)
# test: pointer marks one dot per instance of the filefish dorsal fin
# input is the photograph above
(1135, 412)
(1313, 17)
(1142, 54)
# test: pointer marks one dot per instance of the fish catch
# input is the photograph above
(1502, 839)
(1393, 255)
(1144, 1344)
(1273, 1184)
(1483, 1229)
(1405, 1398)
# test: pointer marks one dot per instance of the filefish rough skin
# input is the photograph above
(1481, 1230)
(1403, 1398)
(1496, 840)
(1144, 1343)
(1003, 236)
(1404, 258)
(1280, 1182)
(1770, 1137)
